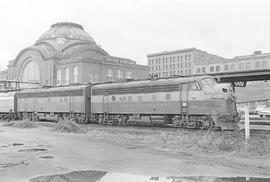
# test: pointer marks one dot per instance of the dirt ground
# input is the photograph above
(32, 152)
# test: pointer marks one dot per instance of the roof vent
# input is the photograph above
(257, 52)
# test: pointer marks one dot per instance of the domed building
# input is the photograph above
(67, 54)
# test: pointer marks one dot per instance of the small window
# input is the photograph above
(113, 98)
(203, 69)
(257, 65)
(226, 67)
(198, 70)
(264, 64)
(241, 66)
(217, 68)
(248, 65)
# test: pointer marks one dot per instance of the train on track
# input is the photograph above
(188, 102)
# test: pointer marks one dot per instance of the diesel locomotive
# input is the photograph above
(188, 102)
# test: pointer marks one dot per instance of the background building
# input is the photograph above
(4, 75)
(179, 62)
(194, 61)
(255, 61)
(67, 54)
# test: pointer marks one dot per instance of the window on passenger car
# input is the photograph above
(113, 98)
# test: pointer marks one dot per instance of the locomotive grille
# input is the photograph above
(52, 94)
(134, 90)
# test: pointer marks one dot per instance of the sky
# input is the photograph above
(134, 28)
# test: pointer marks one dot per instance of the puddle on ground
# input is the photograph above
(103, 176)
(8, 165)
(47, 157)
(17, 144)
(32, 150)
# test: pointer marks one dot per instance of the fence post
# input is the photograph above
(247, 128)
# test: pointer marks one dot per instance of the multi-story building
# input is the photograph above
(180, 62)
(257, 60)
(194, 61)
(67, 54)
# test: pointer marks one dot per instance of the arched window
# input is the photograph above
(31, 72)
(110, 75)
(75, 74)
(67, 76)
(59, 76)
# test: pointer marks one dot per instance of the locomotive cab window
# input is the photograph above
(207, 82)
(193, 86)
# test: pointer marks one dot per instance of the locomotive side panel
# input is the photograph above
(57, 102)
(148, 103)
(51, 104)
(186, 102)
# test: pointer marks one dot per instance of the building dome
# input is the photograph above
(68, 31)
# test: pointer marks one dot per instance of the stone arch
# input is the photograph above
(31, 66)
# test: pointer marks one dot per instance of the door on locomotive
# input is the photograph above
(183, 90)
(105, 108)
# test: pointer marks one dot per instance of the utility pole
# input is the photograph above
(247, 128)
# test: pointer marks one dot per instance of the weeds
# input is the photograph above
(196, 142)
(67, 126)
(24, 124)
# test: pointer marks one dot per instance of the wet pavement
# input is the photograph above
(103, 176)
(59, 157)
